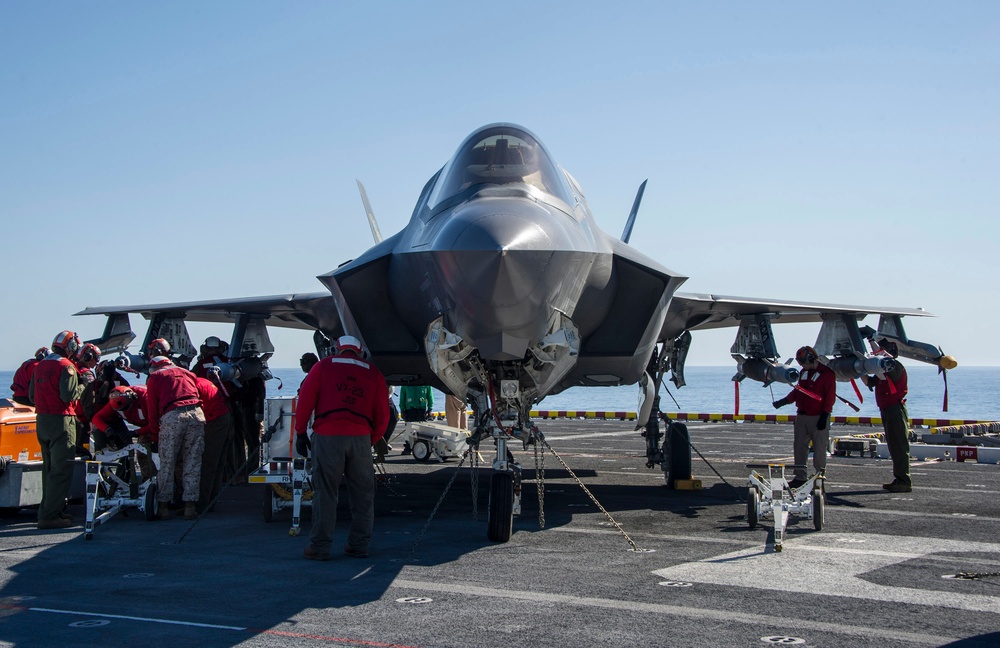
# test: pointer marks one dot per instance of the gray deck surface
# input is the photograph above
(874, 576)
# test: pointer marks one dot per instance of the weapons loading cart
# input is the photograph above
(771, 497)
(285, 476)
(117, 481)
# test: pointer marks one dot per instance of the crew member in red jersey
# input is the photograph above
(814, 396)
(55, 390)
(22, 377)
(177, 425)
(348, 400)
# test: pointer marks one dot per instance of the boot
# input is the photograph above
(189, 511)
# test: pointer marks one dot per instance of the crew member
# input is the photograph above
(348, 400)
(109, 428)
(55, 391)
(124, 404)
(177, 425)
(22, 377)
(218, 439)
(86, 360)
(416, 403)
(813, 396)
(308, 361)
(890, 397)
(455, 413)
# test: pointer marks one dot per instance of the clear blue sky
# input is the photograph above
(843, 152)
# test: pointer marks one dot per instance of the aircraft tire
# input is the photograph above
(678, 453)
(268, 503)
(753, 503)
(150, 505)
(818, 508)
(421, 450)
(501, 519)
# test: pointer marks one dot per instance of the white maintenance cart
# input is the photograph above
(771, 497)
(426, 439)
(115, 483)
(285, 475)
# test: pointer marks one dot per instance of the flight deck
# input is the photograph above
(662, 568)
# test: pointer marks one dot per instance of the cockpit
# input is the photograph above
(500, 155)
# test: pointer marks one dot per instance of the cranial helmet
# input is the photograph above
(159, 362)
(121, 398)
(806, 354)
(41, 353)
(90, 352)
(889, 347)
(67, 341)
(158, 347)
(349, 343)
(212, 342)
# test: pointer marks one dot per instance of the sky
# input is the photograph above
(837, 152)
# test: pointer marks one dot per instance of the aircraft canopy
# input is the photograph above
(496, 155)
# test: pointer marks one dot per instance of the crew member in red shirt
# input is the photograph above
(177, 425)
(814, 396)
(890, 396)
(128, 403)
(86, 360)
(22, 377)
(218, 437)
(348, 401)
(55, 391)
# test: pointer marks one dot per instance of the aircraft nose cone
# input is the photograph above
(509, 265)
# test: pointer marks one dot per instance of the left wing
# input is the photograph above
(697, 311)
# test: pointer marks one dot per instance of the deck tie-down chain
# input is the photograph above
(739, 498)
(591, 496)
(540, 481)
(434, 511)
(975, 575)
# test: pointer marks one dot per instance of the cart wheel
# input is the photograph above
(501, 520)
(150, 505)
(753, 502)
(268, 503)
(421, 450)
(294, 531)
(818, 505)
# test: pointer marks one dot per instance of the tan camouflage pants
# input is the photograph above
(182, 438)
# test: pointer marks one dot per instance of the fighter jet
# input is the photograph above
(502, 290)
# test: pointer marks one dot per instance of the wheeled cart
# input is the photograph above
(115, 482)
(285, 475)
(426, 439)
(771, 497)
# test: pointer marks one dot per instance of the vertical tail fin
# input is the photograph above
(627, 234)
(371, 215)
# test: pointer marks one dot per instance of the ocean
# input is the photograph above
(973, 393)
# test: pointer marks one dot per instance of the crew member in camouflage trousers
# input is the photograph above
(177, 425)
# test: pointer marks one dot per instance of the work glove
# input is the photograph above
(302, 444)
(824, 418)
(781, 402)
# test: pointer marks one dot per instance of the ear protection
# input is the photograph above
(806, 355)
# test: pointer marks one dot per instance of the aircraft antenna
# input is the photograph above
(627, 234)
(371, 215)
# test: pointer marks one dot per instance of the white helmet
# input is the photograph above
(349, 343)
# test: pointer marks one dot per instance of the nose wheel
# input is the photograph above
(501, 515)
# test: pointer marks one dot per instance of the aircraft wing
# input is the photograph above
(699, 311)
(308, 311)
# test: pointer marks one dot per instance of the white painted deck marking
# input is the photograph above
(136, 618)
(725, 616)
(821, 564)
